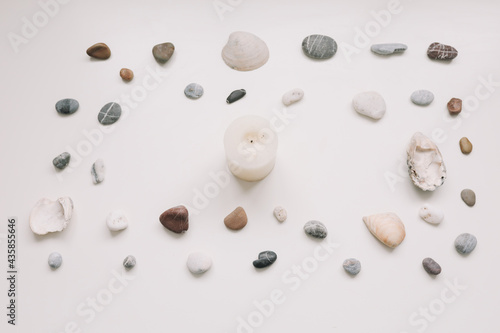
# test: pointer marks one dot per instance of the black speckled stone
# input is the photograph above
(431, 266)
(266, 258)
(67, 106)
(319, 47)
(235, 95)
(109, 113)
(62, 160)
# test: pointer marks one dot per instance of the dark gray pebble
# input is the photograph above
(235, 95)
(319, 47)
(465, 243)
(315, 229)
(469, 197)
(62, 160)
(352, 266)
(109, 113)
(129, 262)
(431, 266)
(266, 258)
(67, 106)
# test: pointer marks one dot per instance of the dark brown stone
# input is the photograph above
(175, 219)
(99, 51)
(237, 219)
(455, 106)
(438, 51)
(163, 52)
(126, 74)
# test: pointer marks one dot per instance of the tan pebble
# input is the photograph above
(126, 74)
(465, 145)
(99, 51)
(455, 106)
(237, 219)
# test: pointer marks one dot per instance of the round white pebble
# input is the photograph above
(370, 104)
(292, 96)
(55, 260)
(117, 220)
(280, 213)
(431, 214)
(199, 262)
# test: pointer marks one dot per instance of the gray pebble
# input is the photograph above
(266, 258)
(109, 113)
(67, 106)
(422, 97)
(319, 46)
(465, 243)
(235, 95)
(431, 266)
(62, 160)
(129, 262)
(469, 197)
(388, 48)
(193, 91)
(315, 229)
(163, 52)
(352, 266)
(55, 260)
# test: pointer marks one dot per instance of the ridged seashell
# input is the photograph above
(425, 163)
(387, 227)
(50, 216)
(245, 51)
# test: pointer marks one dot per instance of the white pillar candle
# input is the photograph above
(251, 147)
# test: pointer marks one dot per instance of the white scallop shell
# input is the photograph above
(431, 214)
(387, 227)
(245, 51)
(50, 216)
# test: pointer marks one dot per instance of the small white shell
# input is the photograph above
(280, 213)
(245, 51)
(431, 214)
(292, 96)
(387, 227)
(98, 171)
(50, 216)
(117, 220)
(199, 262)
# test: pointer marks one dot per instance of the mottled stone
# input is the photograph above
(319, 46)
(163, 52)
(129, 262)
(388, 48)
(235, 95)
(352, 266)
(98, 171)
(198, 262)
(454, 106)
(175, 219)
(266, 258)
(55, 260)
(431, 266)
(292, 96)
(67, 106)
(370, 104)
(193, 91)
(465, 145)
(315, 229)
(110, 113)
(422, 97)
(469, 197)
(117, 220)
(61, 161)
(280, 213)
(431, 214)
(99, 51)
(465, 243)
(126, 74)
(237, 219)
(438, 51)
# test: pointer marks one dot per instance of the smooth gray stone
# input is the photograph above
(67, 106)
(352, 266)
(469, 197)
(235, 95)
(163, 52)
(55, 260)
(388, 48)
(315, 229)
(193, 91)
(422, 97)
(129, 262)
(110, 113)
(431, 266)
(319, 46)
(266, 258)
(62, 160)
(465, 243)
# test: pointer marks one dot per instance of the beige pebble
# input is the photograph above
(465, 145)
(280, 213)
(237, 219)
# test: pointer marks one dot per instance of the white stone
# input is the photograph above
(98, 171)
(199, 262)
(370, 104)
(280, 213)
(50, 216)
(431, 214)
(117, 220)
(292, 96)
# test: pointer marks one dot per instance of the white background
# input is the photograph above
(332, 165)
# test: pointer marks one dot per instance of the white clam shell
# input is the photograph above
(425, 163)
(117, 220)
(51, 216)
(431, 214)
(387, 227)
(199, 262)
(245, 51)
(292, 96)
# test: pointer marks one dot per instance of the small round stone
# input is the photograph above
(126, 74)
(55, 260)
(319, 46)
(117, 220)
(129, 262)
(422, 97)
(315, 229)
(465, 243)
(469, 197)
(67, 106)
(110, 113)
(163, 52)
(199, 262)
(99, 51)
(465, 145)
(61, 161)
(280, 214)
(193, 91)
(431, 266)
(266, 258)
(352, 266)
(454, 106)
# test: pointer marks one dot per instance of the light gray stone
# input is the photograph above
(352, 266)
(55, 260)
(388, 48)
(422, 97)
(193, 91)
(465, 243)
(315, 229)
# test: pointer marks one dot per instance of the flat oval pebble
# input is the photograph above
(55, 260)
(280, 213)
(110, 113)
(199, 262)
(266, 258)
(438, 51)
(163, 52)
(129, 262)
(98, 171)
(422, 97)
(315, 229)
(117, 220)
(319, 46)
(431, 214)
(370, 104)
(465, 145)
(292, 96)
(99, 51)
(237, 219)
(454, 106)
(431, 266)
(465, 243)
(175, 219)
(61, 161)
(469, 197)
(235, 95)
(67, 106)
(388, 48)
(126, 74)
(193, 91)
(352, 266)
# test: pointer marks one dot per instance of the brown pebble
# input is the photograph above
(455, 106)
(237, 219)
(99, 51)
(126, 74)
(465, 145)
(163, 52)
(469, 197)
(175, 219)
